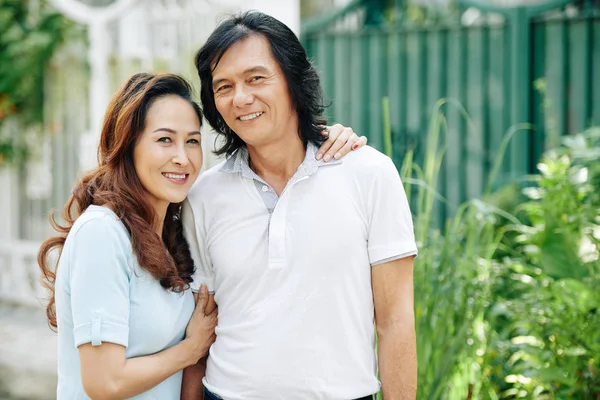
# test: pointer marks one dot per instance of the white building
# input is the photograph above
(125, 36)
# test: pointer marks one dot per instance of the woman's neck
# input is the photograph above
(160, 214)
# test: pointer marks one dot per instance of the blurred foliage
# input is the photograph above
(322, 16)
(417, 13)
(546, 317)
(453, 273)
(312, 8)
(507, 295)
(31, 33)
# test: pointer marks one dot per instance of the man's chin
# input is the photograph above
(252, 140)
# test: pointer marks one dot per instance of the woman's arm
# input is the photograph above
(106, 374)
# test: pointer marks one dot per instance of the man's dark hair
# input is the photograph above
(301, 76)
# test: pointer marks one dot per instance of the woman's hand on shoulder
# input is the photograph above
(340, 141)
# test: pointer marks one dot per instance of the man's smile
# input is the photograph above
(250, 117)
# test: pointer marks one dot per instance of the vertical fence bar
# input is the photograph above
(359, 68)
(595, 83)
(414, 90)
(397, 94)
(506, 111)
(454, 172)
(438, 64)
(579, 76)
(474, 104)
(553, 74)
(326, 65)
(539, 93)
(462, 124)
(485, 120)
(423, 81)
(521, 88)
(341, 79)
(496, 93)
(432, 93)
(377, 86)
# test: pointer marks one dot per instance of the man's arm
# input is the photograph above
(192, 387)
(395, 320)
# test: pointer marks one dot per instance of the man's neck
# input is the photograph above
(278, 162)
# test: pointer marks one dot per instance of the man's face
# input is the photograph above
(251, 93)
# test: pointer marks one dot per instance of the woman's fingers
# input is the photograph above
(332, 133)
(202, 300)
(355, 142)
(341, 141)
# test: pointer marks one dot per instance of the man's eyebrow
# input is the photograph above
(260, 69)
(255, 69)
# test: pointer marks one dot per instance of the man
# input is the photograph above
(301, 255)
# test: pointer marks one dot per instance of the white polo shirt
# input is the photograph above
(292, 275)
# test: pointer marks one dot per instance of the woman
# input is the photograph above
(120, 291)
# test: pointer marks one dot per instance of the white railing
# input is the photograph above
(19, 273)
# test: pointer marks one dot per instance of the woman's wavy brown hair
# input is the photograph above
(115, 184)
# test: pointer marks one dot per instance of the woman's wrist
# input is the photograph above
(193, 351)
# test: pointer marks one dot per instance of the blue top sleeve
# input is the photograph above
(99, 282)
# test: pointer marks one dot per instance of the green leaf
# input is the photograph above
(559, 257)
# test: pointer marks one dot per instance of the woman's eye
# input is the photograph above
(193, 141)
(222, 88)
(164, 140)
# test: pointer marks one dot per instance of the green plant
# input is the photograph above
(546, 319)
(30, 35)
(507, 294)
(453, 274)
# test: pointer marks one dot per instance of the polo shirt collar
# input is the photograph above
(238, 162)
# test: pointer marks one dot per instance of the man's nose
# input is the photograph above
(242, 96)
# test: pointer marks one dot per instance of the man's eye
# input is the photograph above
(165, 140)
(257, 78)
(222, 88)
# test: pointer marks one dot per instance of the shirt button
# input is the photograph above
(265, 188)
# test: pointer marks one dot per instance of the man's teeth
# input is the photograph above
(250, 116)
(174, 176)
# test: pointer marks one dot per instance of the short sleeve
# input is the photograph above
(99, 281)
(196, 237)
(391, 234)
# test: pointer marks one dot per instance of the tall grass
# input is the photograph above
(452, 273)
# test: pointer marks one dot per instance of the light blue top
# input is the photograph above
(102, 295)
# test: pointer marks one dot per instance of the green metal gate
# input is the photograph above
(537, 64)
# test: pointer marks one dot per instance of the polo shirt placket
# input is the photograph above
(276, 205)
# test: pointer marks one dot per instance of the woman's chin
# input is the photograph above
(177, 199)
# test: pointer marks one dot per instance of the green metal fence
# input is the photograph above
(538, 65)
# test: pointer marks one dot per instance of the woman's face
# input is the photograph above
(168, 155)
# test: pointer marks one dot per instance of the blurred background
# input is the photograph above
(488, 108)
